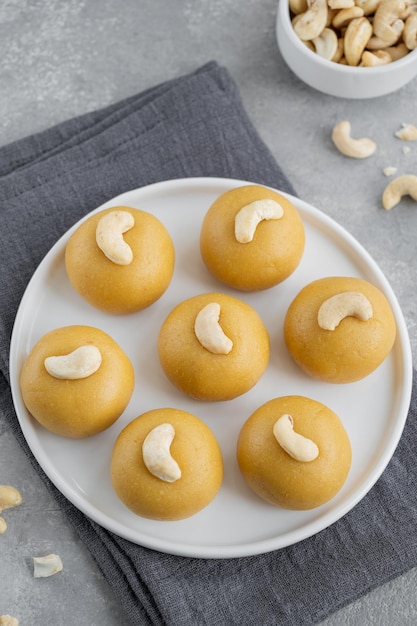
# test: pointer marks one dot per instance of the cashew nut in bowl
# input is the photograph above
(109, 236)
(341, 305)
(326, 44)
(372, 59)
(402, 186)
(368, 6)
(357, 35)
(80, 363)
(157, 456)
(312, 21)
(249, 216)
(340, 4)
(209, 332)
(298, 6)
(298, 447)
(386, 23)
(397, 52)
(354, 148)
(345, 16)
(410, 31)
(378, 43)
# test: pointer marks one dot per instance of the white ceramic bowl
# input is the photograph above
(335, 79)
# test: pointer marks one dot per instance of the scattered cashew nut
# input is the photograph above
(408, 132)
(157, 456)
(341, 305)
(354, 148)
(80, 363)
(298, 447)
(209, 332)
(9, 498)
(8, 620)
(44, 566)
(249, 216)
(389, 170)
(109, 236)
(397, 188)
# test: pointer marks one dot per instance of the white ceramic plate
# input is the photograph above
(237, 523)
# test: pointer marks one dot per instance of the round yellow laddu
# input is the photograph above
(81, 407)
(351, 351)
(279, 478)
(198, 372)
(116, 288)
(194, 448)
(274, 252)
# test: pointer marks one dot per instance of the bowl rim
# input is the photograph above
(284, 13)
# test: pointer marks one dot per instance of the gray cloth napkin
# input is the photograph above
(192, 126)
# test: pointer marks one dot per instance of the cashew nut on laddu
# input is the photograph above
(341, 305)
(157, 456)
(298, 447)
(209, 332)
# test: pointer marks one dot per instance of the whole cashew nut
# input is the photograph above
(209, 332)
(354, 148)
(410, 32)
(341, 305)
(378, 43)
(312, 21)
(357, 35)
(109, 236)
(157, 456)
(80, 363)
(249, 216)
(399, 187)
(386, 15)
(326, 44)
(345, 16)
(298, 447)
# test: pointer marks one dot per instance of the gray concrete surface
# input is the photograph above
(59, 59)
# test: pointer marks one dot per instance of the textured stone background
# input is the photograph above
(59, 59)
